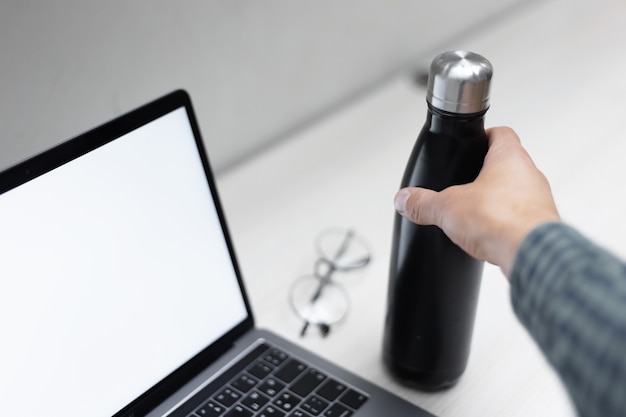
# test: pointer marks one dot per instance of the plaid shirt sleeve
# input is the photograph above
(571, 296)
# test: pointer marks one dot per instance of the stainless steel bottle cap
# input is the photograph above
(459, 81)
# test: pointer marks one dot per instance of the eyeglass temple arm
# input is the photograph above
(344, 245)
(324, 328)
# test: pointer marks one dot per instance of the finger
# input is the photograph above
(502, 134)
(504, 147)
(419, 205)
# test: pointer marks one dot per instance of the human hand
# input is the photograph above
(489, 217)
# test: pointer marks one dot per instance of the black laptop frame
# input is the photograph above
(86, 142)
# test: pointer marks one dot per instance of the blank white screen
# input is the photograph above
(114, 272)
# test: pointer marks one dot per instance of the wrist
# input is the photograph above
(515, 243)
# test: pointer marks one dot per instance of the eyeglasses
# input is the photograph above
(316, 298)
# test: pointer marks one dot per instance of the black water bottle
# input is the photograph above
(434, 284)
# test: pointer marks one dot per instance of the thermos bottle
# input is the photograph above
(433, 284)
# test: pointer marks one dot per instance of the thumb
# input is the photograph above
(419, 205)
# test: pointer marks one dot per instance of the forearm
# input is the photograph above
(571, 296)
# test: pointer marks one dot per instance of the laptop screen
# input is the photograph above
(114, 272)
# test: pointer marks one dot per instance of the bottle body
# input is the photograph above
(433, 284)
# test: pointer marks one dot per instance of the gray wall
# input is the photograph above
(256, 70)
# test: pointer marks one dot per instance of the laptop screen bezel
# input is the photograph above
(86, 142)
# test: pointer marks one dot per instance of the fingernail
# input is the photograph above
(400, 200)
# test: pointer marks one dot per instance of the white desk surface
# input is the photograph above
(559, 81)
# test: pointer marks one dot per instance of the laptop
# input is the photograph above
(120, 294)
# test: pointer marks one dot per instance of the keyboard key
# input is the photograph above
(290, 370)
(255, 401)
(287, 401)
(271, 387)
(271, 411)
(314, 405)
(337, 410)
(244, 383)
(309, 381)
(353, 399)
(300, 413)
(331, 390)
(260, 369)
(228, 397)
(239, 411)
(210, 409)
(275, 357)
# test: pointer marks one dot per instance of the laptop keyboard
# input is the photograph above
(268, 382)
